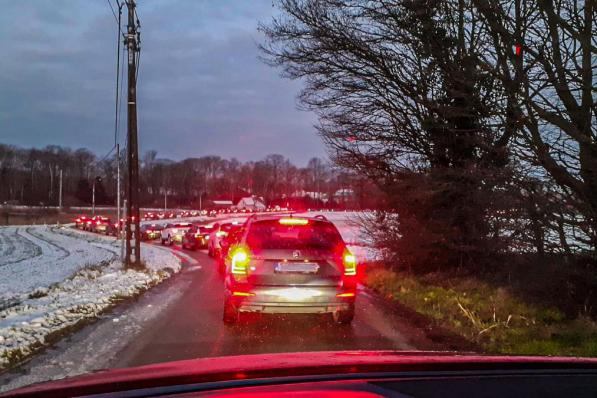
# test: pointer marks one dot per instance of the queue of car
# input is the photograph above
(270, 263)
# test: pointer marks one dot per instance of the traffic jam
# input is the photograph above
(272, 262)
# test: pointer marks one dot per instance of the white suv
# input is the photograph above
(174, 232)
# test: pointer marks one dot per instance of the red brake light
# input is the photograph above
(294, 221)
(350, 264)
(240, 261)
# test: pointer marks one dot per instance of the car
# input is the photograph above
(196, 237)
(150, 216)
(220, 231)
(80, 222)
(89, 224)
(101, 225)
(150, 231)
(226, 242)
(331, 374)
(337, 374)
(173, 232)
(113, 228)
(286, 264)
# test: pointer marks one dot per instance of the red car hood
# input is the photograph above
(288, 364)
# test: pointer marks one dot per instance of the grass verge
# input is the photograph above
(492, 317)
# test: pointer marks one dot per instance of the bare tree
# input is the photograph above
(401, 97)
(545, 54)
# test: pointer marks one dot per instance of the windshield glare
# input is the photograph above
(264, 235)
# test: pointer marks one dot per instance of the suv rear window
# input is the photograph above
(270, 234)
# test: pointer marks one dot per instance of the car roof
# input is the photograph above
(274, 217)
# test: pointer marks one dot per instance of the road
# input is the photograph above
(181, 319)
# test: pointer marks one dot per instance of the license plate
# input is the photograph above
(305, 268)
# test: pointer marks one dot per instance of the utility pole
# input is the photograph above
(117, 189)
(133, 241)
(93, 199)
(60, 192)
(96, 179)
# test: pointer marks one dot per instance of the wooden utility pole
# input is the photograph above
(133, 241)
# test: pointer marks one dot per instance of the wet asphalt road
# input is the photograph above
(182, 319)
(192, 326)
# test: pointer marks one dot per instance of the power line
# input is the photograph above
(114, 12)
(107, 154)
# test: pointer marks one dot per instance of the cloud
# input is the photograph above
(201, 89)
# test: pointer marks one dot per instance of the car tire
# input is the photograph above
(209, 251)
(163, 241)
(169, 240)
(344, 317)
(231, 314)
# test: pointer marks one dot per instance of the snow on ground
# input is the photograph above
(35, 257)
(52, 278)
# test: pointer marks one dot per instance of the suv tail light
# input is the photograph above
(240, 262)
(350, 264)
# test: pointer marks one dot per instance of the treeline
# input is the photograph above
(32, 177)
(477, 118)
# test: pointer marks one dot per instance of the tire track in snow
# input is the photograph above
(14, 247)
(51, 245)
(61, 257)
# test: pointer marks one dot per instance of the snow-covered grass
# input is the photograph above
(53, 278)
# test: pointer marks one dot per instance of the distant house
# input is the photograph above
(252, 203)
(344, 193)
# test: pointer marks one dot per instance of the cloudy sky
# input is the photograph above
(201, 90)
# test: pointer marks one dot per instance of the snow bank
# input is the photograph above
(50, 308)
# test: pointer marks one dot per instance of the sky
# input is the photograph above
(201, 88)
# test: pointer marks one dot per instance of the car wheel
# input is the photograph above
(163, 241)
(210, 253)
(169, 240)
(344, 317)
(231, 314)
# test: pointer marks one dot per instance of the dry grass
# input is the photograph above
(492, 317)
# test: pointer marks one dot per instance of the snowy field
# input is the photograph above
(51, 278)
